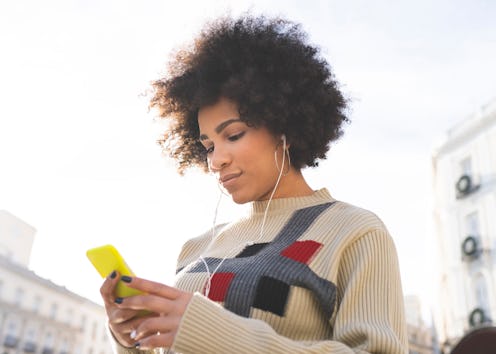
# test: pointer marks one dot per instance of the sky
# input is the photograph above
(78, 153)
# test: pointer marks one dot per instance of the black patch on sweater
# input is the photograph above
(271, 295)
(251, 250)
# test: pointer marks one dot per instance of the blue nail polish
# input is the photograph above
(137, 344)
(118, 300)
(113, 274)
(126, 279)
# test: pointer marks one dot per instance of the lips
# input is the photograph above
(228, 179)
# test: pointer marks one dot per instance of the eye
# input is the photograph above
(236, 136)
(209, 149)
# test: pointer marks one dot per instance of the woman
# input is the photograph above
(301, 272)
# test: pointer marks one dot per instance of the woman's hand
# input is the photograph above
(121, 321)
(165, 306)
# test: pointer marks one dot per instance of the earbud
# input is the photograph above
(283, 138)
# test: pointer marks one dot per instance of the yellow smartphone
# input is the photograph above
(106, 259)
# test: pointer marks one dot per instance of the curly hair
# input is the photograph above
(269, 70)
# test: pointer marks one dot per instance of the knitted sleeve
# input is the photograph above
(369, 316)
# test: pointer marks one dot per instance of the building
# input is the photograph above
(464, 181)
(16, 238)
(36, 315)
(421, 337)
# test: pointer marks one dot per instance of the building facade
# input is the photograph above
(464, 181)
(36, 315)
(422, 338)
(16, 238)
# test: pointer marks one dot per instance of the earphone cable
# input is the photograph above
(210, 275)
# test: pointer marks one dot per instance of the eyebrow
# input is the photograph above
(221, 127)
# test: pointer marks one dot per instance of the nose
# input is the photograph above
(218, 159)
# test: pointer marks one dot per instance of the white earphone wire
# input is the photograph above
(210, 275)
(276, 185)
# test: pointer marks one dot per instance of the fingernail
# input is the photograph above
(133, 334)
(113, 274)
(126, 279)
(118, 300)
(137, 344)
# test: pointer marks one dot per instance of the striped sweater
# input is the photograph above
(323, 277)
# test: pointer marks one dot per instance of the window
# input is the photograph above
(83, 322)
(64, 346)
(12, 328)
(53, 311)
(104, 334)
(48, 342)
(94, 330)
(18, 296)
(68, 316)
(471, 245)
(30, 333)
(481, 295)
(466, 166)
(36, 304)
(472, 224)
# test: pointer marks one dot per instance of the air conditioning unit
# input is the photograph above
(478, 317)
(466, 185)
(471, 247)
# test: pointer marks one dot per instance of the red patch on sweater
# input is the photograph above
(302, 251)
(219, 285)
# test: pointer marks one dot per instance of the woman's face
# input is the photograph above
(241, 156)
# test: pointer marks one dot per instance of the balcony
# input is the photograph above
(47, 350)
(10, 341)
(29, 347)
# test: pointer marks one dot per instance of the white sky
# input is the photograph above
(78, 157)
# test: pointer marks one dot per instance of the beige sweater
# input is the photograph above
(323, 277)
